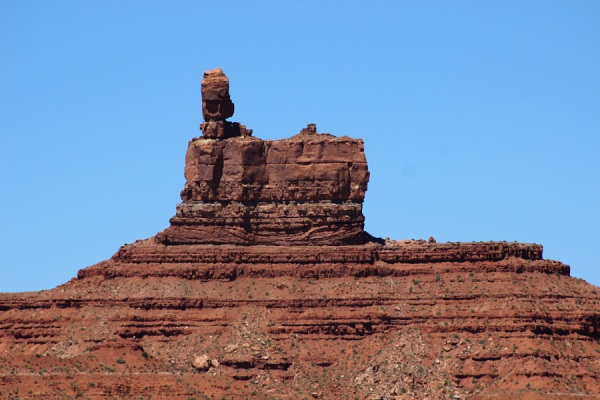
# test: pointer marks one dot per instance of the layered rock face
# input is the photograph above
(266, 286)
(305, 190)
(308, 189)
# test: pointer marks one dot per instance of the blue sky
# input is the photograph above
(481, 120)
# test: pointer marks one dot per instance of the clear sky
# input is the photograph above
(481, 119)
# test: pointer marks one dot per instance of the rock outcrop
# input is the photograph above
(265, 285)
(308, 189)
(217, 107)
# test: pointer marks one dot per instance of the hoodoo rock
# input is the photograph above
(217, 107)
(216, 103)
(265, 285)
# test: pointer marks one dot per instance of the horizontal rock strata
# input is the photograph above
(266, 286)
(266, 274)
(495, 316)
(308, 189)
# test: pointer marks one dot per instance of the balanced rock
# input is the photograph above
(217, 107)
(216, 103)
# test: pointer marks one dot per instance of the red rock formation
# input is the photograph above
(266, 286)
(305, 190)
(217, 107)
(216, 103)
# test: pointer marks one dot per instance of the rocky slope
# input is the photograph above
(266, 286)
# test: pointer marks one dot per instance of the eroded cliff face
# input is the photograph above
(265, 285)
(308, 189)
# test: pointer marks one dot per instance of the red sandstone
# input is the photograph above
(266, 286)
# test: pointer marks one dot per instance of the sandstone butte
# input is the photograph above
(265, 285)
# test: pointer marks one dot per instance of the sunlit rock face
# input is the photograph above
(265, 285)
(307, 189)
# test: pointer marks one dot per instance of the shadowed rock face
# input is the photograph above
(266, 286)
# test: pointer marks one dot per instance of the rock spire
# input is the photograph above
(308, 189)
(217, 107)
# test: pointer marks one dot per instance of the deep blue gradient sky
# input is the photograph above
(481, 120)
